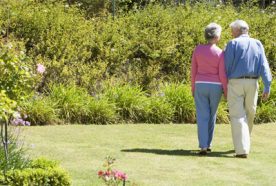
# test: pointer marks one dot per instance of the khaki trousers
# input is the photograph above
(242, 100)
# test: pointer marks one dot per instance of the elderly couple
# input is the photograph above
(235, 72)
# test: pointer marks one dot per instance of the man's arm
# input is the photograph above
(265, 73)
(229, 55)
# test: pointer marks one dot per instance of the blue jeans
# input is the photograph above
(207, 97)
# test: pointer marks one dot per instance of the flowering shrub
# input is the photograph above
(112, 177)
(19, 121)
(16, 76)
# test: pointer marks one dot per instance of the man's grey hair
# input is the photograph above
(241, 25)
(212, 31)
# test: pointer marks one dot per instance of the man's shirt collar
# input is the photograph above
(244, 35)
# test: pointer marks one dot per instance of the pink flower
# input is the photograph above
(120, 175)
(40, 68)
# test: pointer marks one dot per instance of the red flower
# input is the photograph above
(100, 173)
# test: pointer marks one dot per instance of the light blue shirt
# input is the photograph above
(245, 56)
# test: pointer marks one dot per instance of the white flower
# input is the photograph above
(16, 115)
(40, 68)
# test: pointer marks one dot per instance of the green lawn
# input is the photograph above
(155, 155)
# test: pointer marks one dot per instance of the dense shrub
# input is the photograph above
(58, 37)
(40, 172)
(16, 71)
(144, 47)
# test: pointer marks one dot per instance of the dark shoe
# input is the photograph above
(241, 155)
(202, 153)
(209, 150)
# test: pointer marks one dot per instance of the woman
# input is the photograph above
(208, 82)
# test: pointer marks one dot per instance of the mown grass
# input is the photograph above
(155, 154)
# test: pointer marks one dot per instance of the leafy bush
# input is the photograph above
(40, 110)
(144, 47)
(7, 106)
(16, 76)
(58, 37)
(180, 98)
(41, 172)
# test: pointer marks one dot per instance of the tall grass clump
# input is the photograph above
(158, 110)
(71, 101)
(180, 98)
(100, 111)
(266, 110)
(130, 102)
(41, 110)
(222, 113)
(75, 105)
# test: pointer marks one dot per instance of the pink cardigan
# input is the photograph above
(208, 66)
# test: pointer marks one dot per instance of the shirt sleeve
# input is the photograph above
(222, 74)
(193, 71)
(265, 71)
(229, 55)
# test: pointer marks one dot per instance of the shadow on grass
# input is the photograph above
(180, 152)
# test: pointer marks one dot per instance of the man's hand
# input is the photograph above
(265, 96)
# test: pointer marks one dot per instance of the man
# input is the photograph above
(245, 62)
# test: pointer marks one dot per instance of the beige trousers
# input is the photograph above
(242, 100)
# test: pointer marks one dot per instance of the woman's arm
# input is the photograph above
(222, 74)
(193, 71)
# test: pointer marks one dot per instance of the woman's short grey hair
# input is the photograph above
(212, 31)
(241, 25)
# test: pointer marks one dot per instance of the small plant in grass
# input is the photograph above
(111, 177)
